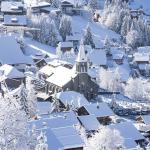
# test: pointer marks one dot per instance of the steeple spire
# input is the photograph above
(81, 61)
(81, 55)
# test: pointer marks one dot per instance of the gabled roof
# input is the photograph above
(17, 20)
(61, 76)
(89, 122)
(128, 131)
(72, 98)
(99, 110)
(10, 52)
(7, 71)
(98, 57)
(11, 6)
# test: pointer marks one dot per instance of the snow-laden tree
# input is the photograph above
(137, 89)
(93, 5)
(133, 38)
(107, 45)
(65, 27)
(87, 37)
(31, 97)
(53, 35)
(42, 142)
(13, 124)
(110, 80)
(47, 33)
(55, 3)
(105, 139)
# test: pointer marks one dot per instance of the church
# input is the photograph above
(75, 79)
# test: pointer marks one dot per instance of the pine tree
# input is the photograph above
(65, 27)
(87, 38)
(93, 5)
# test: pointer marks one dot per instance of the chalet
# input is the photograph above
(98, 58)
(12, 54)
(49, 69)
(15, 20)
(118, 58)
(40, 7)
(101, 111)
(11, 76)
(141, 58)
(67, 7)
(144, 119)
(66, 138)
(65, 46)
(133, 134)
(144, 69)
(72, 99)
(75, 39)
(12, 8)
(75, 79)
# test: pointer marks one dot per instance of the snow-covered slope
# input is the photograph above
(99, 31)
(141, 3)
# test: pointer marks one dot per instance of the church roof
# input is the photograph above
(81, 55)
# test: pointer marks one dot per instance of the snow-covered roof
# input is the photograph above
(61, 76)
(99, 110)
(130, 144)
(57, 62)
(89, 122)
(39, 4)
(118, 56)
(74, 2)
(63, 138)
(98, 57)
(73, 38)
(47, 70)
(72, 98)
(146, 119)
(145, 49)
(44, 108)
(7, 71)
(66, 44)
(81, 54)
(17, 20)
(144, 67)
(68, 137)
(10, 52)
(55, 120)
(141, 57)
(128, 131)
(11, 6)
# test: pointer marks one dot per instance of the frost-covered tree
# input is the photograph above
(65, 27)
(31, 97)
(93, 5)
(110, 80)
(42, 142)
(87, 38)
(107, 45)
(13, 124)
(137, 89)
(55, 3)
(105, 139)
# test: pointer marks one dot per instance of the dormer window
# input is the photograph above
(14, 20)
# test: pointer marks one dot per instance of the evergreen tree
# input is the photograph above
(65, 27)
(87, 38)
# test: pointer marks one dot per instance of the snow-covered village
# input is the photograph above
(74, 74)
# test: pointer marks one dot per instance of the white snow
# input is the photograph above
(61, 76)
(99, 110)
(10, 52)
(7, 71)
(72, 98)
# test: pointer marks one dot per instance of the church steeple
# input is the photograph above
(81, 61)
